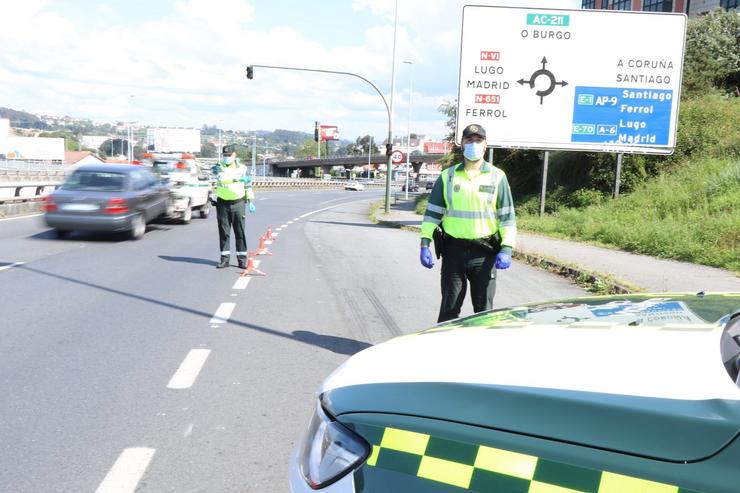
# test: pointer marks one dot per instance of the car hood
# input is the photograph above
(572, 371)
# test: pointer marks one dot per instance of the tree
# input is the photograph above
(114, 147)
(208, 150)
(449, 109)
(712, 57)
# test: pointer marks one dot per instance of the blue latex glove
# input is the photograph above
(425, 257)
(252, 207)
(503, 260)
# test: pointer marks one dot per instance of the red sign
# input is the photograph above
(397, 157)
(488, 98)
(329, 132)
(436, 147)
(491, 56)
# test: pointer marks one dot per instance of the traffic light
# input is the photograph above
(316, 132)
(250, 72)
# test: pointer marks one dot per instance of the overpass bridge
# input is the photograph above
(309, 167)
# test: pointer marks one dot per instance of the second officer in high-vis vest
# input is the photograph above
(233, 188)
(470, 216)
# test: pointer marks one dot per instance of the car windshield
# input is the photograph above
(100, 181)
(690, 311)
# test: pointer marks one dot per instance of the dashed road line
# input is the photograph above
(296, 219)
(14, 264)
(283, 226)
(189, 369)
(188, 430)
(290, 222)
(127, 471)
(241, 283)
(223, 313)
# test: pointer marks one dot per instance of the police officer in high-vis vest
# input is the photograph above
(470, 216)
(233, 187)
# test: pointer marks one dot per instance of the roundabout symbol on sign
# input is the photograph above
(397, 157)
(543, 71)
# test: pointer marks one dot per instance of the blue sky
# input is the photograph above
(181, 63)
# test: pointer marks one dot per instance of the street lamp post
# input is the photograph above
(254, 156)
(408, 129)
(389, 146)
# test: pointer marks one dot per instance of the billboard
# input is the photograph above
(34, 148)
(173, 139)
(329, 132)
(550, 79)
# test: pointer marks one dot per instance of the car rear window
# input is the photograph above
(99, 181)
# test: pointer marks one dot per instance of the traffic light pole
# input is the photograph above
(389, 147)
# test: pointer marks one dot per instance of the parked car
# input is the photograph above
(618, 394)
(108, 198)
(354, 185)
(413, 187)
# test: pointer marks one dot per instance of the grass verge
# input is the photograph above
(692, 214)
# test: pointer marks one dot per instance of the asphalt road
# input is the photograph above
(114, 372)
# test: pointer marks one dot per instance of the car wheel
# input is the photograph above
(61, 233)
(187, 215)
(206, 209)
(138, 227)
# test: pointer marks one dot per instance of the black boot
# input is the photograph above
(242, 261)
(224, 262)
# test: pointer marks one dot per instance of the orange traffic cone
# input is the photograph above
(251, 270)
(269, 235)
(262, 250)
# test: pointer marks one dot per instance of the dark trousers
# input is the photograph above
(230, 214)
(462, 264)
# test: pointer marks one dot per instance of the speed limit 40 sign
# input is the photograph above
(397, 157)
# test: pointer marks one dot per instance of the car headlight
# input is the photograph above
(329, 450)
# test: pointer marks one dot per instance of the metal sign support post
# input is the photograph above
(617, 174)
(545, 162)
(490, 155)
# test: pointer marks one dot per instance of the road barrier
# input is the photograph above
(21, 191)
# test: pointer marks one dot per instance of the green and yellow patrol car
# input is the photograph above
(616, 394)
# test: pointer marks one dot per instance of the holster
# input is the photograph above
(490, 244)
(439, 241)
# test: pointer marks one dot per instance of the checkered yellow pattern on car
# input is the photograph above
(489, 469)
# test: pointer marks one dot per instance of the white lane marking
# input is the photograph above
(223, 313)
(275, 234)
(188, 430)
(330, 207)
(126, 473)
(19, 217)
(330, 201)
(185, 376)
(283, 226)
(14, 264)
(241, 283)
(290, 222)
(296, 219)
(278, 229)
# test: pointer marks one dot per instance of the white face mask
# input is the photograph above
(228, 159)
(473, 151)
